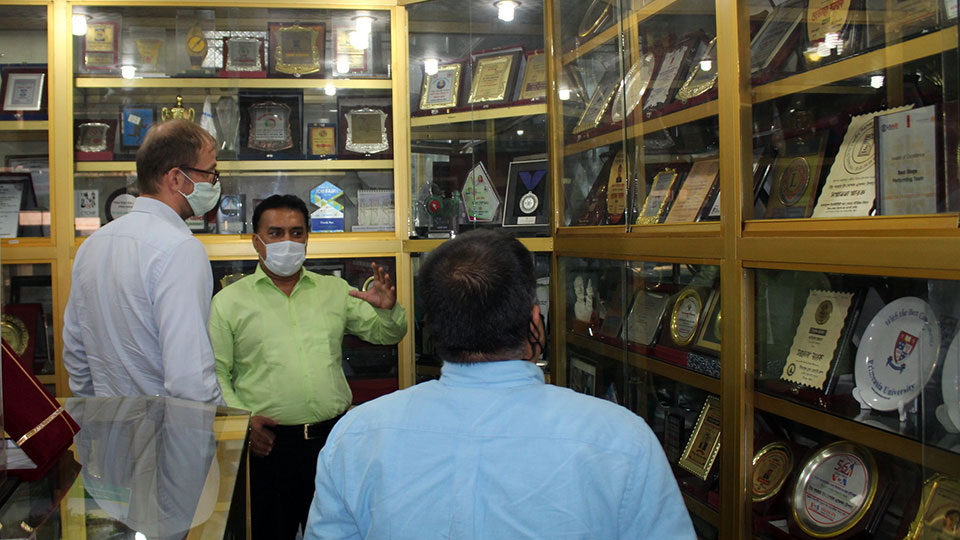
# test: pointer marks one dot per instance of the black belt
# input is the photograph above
(307, 431)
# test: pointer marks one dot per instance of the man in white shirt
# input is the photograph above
(136, 321)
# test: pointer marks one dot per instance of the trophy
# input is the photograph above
(177, 112)
(228, 123)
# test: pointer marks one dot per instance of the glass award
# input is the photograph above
(228, 122)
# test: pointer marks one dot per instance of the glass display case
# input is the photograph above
(646, 335)
(24, 126)
(27, 318)
(478, 126)
(299, 101)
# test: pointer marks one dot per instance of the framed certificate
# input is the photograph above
(775, 39)
(494, 76)
(296, 49)
(668, 78)
(527, 201)
(599, 103)
(270, 125)
(659, 197)
(703, 74)
(99, 51)
(634, 87)
(703, 445)
(533, 86)
(908, 163)
(442, 89)
(700, 184)
(356, 57)
(366, 127)
(644, 317)
(23, 89)
(243, 56)
(322, 140)
(811, 361)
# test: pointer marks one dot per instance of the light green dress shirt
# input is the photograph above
(279, 356)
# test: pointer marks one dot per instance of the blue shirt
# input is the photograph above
(489, 451)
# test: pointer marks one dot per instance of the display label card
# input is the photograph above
(907, 162)
(850, 188)
(817, 337)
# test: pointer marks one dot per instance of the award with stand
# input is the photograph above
(527, 201)
(328, 217)
(616, 190)
(772, 466)
(228, 123)
(94, 140)
(148, 51)
(582, 296)
(191, 43)
(232, 214)
(297, 50)
(480, 200)
(439, 206)
(177, 112)
(909, 166)
(703, 446)
(850, 187)
(685, 318)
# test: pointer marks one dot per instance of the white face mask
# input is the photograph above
(204, 196)
(284, 258)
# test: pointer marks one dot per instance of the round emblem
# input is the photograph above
(120, 203)
(823, 312)
(433, 206)
(685, 317)
(793, 181)
(15, 333)
(441, 84)
(529, 203)
(859, 153)
(834, 490)
(771, 467)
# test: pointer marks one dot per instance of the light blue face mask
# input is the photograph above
(284, 258)
(204, 196)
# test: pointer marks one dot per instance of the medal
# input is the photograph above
(530, 202)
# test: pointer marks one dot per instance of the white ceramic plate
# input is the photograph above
(897, 354)
(950, 381)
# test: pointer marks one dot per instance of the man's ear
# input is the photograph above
(170, 181)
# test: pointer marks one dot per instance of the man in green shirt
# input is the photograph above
(276, 336)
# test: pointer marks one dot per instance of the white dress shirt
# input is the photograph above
(136, 321)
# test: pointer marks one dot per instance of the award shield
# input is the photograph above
(367, 131)
(297, 50)
(243, 57)
(685, 317)
(269, 127)
(148, 50)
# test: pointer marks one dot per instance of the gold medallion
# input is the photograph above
(15, 333)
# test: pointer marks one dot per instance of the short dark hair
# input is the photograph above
(477, 291)
(167, 146)
(281, 201)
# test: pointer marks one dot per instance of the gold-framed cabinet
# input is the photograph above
(746, 228)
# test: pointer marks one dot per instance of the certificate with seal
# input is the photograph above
(834, 491)
(479, 196)
(270, 127)
(703, 445)
(700, 184)
(643, 319)
(534, 82)
(100, 46)
(685, 317)
(492, 75)
(850, 187)
(938, 515)
(660, 196)
(442, 89)
(297, 50)
(909, 169)
(772, 465)
(816, 338)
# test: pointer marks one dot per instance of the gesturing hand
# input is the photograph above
(261, 438)
(381, 293)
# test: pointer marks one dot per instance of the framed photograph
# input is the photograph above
(442, 89)
(366, 127)
(494, 76)
(270, 125)
(297, 49)
(23, 89)
(322, 140)
(582, 376)
(527, 201)
(134, 123)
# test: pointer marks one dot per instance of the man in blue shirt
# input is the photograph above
(489, 450)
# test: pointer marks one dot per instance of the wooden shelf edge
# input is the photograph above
(24, 125)
(924, 225)
(683, 116)
(479, 115)
(255, 165)
(641, 14)
(701, 510)
(863, 434)
(893, 55)
(534, 244)
(218, 82)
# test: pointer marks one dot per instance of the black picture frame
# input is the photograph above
(292, 99)
(519, 172)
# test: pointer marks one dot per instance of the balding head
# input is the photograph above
(169, 145)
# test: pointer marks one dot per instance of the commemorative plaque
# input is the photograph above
(366, 131)
(617, 190)
(269, 127)
(135, 121)
(773, 41)
(527, 198)
(328, 217)
(442, 89)
(644, 317)
(94, 140)
(817, 337)
(494, 76)
(479, 196)
(15, 334)
(243, 57)
(353, 51)
(795, 180)
(296, 50)
(909, 168)
(534, 82)
(772, 465)
(703, 446)
(665, 83)
(897, 355)
(703, 75)
(660, 196)
(708, 340)
(834, 491)
(148, 43)
(634, 87)
(938, 515)
(101, 46)
(323, 140)
(685, 317)
(598, 105)
(850, 187)
(700, 184)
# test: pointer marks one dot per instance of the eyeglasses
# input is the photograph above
(214, 172)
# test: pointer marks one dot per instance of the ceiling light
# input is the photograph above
(505, 9)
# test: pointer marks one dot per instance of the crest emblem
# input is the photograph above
(901, 350)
